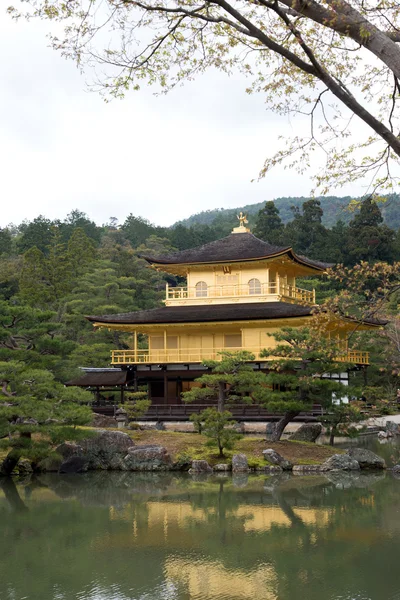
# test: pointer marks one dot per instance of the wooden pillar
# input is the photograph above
(122, 394)
(135, 382)
(165, 345)
(135, 345)
(179, 390)
(165, 387)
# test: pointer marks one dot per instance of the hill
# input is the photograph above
(334, 207)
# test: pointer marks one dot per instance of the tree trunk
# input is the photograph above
(281, 424)
(9, 463)
(221, 396)
(332, 438)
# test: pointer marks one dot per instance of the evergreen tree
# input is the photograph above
(294, 381)
(81, 251)
(231, 379)
(37, 233)
(77, 219)
(305, 232)
(36, 413)
(269, 225)
(368, 238)
(340, 420)
(217, 427)
(5, 241)
(33, 287)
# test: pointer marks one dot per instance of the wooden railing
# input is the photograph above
(197, 355)
(283, 290)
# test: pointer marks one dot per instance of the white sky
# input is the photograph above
(163, 158)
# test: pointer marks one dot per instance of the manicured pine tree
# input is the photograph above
(232, 379)
(295, 379)
(37, 413)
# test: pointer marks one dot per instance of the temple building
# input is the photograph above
(238, 289)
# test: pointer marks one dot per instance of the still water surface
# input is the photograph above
(120, 536)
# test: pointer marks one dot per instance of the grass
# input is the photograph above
(192, 446)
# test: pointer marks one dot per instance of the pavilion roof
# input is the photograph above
(207, 313)
(257, 311)
(236, 247)
(100, 379)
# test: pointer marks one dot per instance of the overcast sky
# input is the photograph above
(163, 158)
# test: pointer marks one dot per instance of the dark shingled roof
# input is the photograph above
(234, 247)
(213, 312)
(100, 379)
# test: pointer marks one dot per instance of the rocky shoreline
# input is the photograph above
(116, 451)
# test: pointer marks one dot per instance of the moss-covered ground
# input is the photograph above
(193, 446)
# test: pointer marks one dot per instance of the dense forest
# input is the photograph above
(53, 273)
(334, 209)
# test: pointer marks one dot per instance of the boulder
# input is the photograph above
(239, 463)
(392, 428)
(147, 458)
(275, 458)
(222, 467)
(382, 435)
(103, 421)
(106, 450)
(305, 469)
(340, 462)
(24, 466)
(74, 464)
(366, 459)
(396, 469)
(200, 466)
(50, 464)
(308, 432)
(68, 449)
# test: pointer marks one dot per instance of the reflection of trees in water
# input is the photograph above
(107, 524)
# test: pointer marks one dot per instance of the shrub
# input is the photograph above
(217, 427)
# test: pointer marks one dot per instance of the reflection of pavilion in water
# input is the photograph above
(185, 531)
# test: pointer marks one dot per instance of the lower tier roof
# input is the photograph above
(258, 311)
(207, 313)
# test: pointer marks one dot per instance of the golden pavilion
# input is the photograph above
(238, 289)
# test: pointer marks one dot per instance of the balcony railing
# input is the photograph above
(197, 355)
(281, 289)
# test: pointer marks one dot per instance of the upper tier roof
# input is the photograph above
(236, 247)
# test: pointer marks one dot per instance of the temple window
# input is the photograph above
(201, 289)
(254, 286)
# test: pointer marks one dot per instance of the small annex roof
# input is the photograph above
(98, 378)
(236, 247)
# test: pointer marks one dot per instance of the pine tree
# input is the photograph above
(368, 239)
(37, 413)
(269, 225)
(295, 379)
(81, 251)
(232, 379)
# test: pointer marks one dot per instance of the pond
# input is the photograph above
(129, 536)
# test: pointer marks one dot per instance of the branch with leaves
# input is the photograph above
(330, 59)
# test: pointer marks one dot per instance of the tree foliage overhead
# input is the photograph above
(301, 55)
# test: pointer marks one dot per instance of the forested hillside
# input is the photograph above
(53, 273)
(335, 209)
